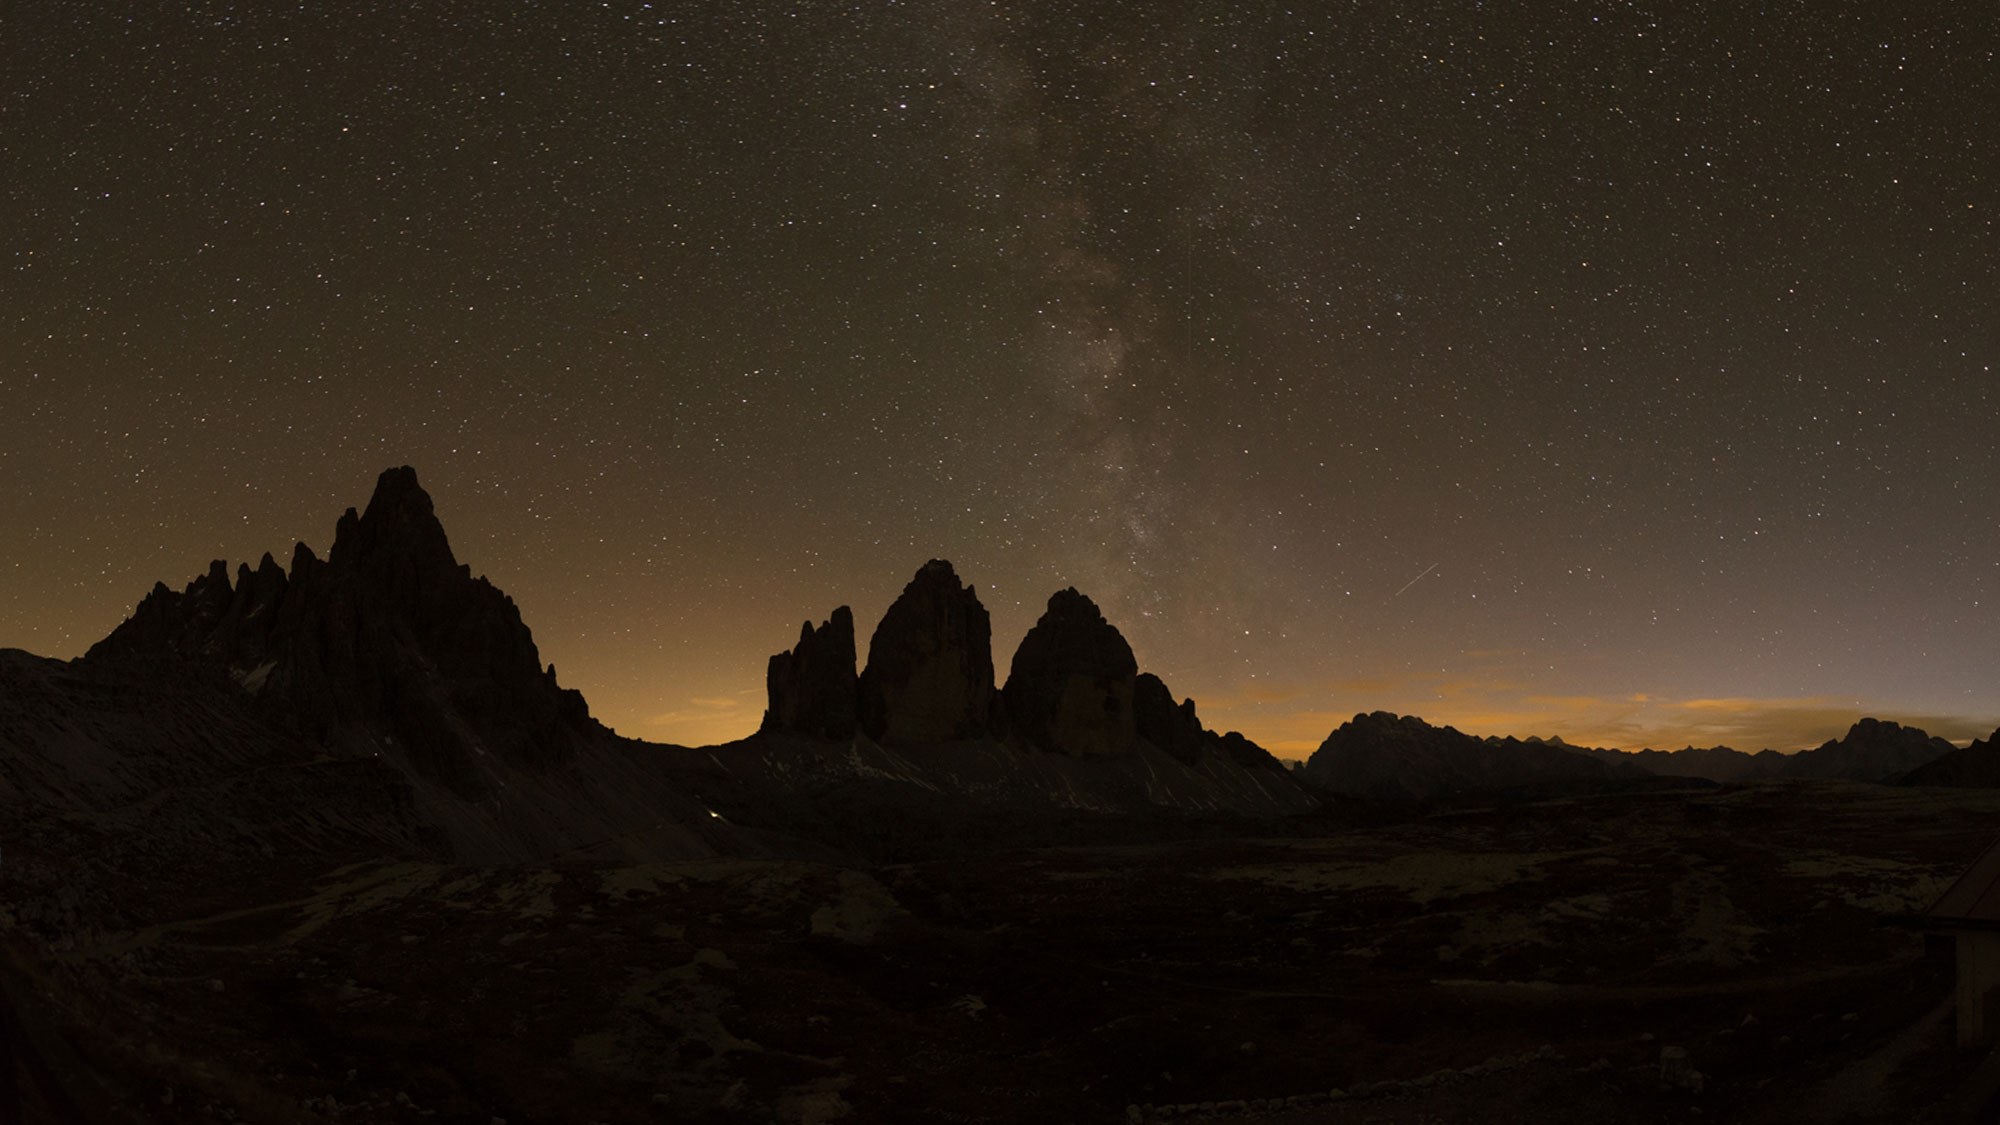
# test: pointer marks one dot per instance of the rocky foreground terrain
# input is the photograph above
(1626, 958)
(328, 843)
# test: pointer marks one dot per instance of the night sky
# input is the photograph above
(1621, 372)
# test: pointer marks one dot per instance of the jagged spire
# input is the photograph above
(813, 688)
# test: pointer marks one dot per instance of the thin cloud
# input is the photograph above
(709, 708)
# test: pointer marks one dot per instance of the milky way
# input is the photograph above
(1657, 341)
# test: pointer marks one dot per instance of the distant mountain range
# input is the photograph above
(386, 699)
(1385, 756)
(1871, 750)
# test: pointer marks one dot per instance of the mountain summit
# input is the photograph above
(930, 664)
(1872, 750)
(389, 644)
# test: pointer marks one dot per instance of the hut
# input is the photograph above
(1969, 914)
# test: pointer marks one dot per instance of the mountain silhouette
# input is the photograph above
(813, 689)
(391, 656)
(1871, 750)
(1385, 756)
(390, 642)
(1976, 766)
(929, 676)
(1070, 685)
(1404, 758)
(319, 819)
(1073, 686)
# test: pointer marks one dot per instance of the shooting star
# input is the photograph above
(1416, 580)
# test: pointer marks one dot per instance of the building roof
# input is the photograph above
(1972, 903)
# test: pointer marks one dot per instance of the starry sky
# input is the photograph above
(1617, 371)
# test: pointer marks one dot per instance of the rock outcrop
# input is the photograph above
(813, 688)
(930, 664)
(390, 642)
(1070, 687)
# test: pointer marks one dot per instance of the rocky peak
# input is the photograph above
(207, 598)
(812, 689)
(1070, 687)
(167, 622)
(400, 519)
(304, 562)
(1883, 733)
(930, 664)
(397, 544)
(1873, 749)
(1377, 727)
(389, 641)
(212, 587)
(238, 634)
(1073, 687)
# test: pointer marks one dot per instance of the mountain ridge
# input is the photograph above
(389, 649)
(389, 640)
(1382, 755)
(389, 646)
